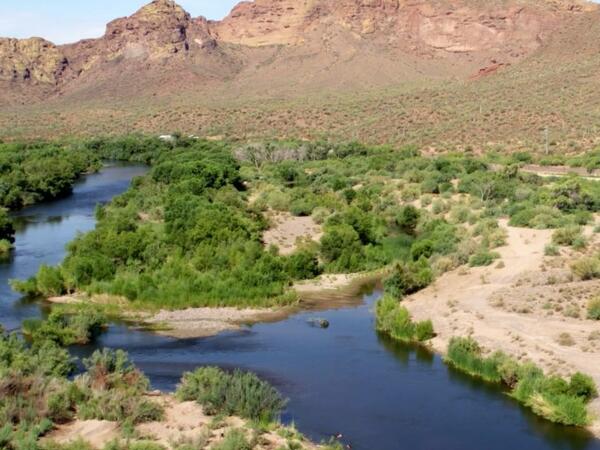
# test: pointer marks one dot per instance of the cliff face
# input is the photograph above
(421, 25)
(158, 30)
(162, 40)
(32, 60)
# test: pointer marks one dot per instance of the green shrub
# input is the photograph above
(407, 219)
(303, 265)
(341, 248)
(239, 393)
(586, 268)
(483, 258)
(394, 320)
(583, 386)
(234, 440)
(422, 248)
(113, 389)
(567, 235)
(408, 278)
(593, 309)
(65, 328)
(551, 250)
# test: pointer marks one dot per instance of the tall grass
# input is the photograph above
(394, 320)
(551, 397)
(239, 393)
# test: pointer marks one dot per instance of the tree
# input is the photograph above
(7, 230)
(408, 219)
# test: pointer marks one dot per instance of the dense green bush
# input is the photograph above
(66, 327)
(408, 219)
(113, 389)
(49, 281)
(238, 393)
(408, 278)
(341, 248)
(303, 265)
(394, 320)
(483, 258)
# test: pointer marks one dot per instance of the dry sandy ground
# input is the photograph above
(464, 302)
(203, 322)
(184, 423)
(288, 230)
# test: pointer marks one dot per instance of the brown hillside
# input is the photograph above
(456, 71)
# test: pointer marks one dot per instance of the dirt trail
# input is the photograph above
(459, 304)
(554, 171)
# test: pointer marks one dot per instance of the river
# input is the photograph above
(346, 379)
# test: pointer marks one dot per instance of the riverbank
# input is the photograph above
(496, 305)
(326, 292)
(183, 423)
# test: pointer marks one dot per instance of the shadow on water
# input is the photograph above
(381, 395)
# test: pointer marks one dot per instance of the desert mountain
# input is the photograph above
(283, 51)
(455, 30)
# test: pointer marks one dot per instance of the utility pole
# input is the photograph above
(547, 136)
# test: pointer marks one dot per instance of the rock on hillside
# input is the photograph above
(31, 60)
(279, 49)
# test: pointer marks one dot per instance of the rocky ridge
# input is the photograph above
(162, 30)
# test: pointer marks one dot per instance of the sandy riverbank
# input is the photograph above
(497, 306)
(323, 293)
(184, 422)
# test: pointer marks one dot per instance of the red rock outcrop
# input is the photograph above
(31, 60)
(161, 38)
(452, 26)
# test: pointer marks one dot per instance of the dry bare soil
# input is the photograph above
(184, 423)
(527, 305)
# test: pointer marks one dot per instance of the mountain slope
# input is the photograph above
(378, 70)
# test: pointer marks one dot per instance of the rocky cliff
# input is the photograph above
(296, 39)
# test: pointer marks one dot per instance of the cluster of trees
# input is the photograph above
(186, 235)
(181, 236)
(34, 172)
